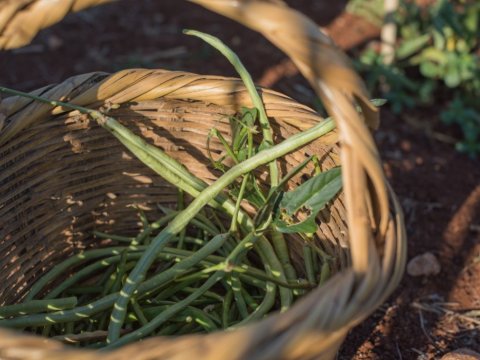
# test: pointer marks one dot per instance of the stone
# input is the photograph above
(461, 354)
(424, 265)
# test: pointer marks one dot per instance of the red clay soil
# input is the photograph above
(439, 188)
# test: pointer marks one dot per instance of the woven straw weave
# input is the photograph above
(57, 169)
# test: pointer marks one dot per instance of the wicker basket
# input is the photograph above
(58, 171)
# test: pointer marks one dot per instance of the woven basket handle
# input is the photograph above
(21, 20)
(336, 83)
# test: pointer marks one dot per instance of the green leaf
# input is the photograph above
(438, 40)
(435, 55)
(412, 46)
(308, 226)
(378, 102)
(249, 116)
(452, 77)
(311, 196)
(429, 69)
(316, 186)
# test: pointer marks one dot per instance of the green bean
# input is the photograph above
(217, 221)
(113, 282)
(46, 330)
(211, 313)
(188, 328)
(275, 268)
(247, 273)
(151, 159)
(171, 290)
(106, 302)
(226, 309)
(225, 144)
(200, 318)
(72, 338)
(193, 240)
(277, 238)
(147, 231)
(253, 281)
(267, 303)
(324, 273)
(90, 325)
(233, 315)
(252, 272)
(155, 155)
(234, 222)
(151, 311)
(228, 247)
(165, 315)
(143, 218)
(238, 296)
(121, 269)
(170, 329)
(243, 246)
(180, 207)
(281, 249)
(189, 314)
(105, 275)
(208, 294)
(36, 306)
(138, 311)
(199, 221)
(316, 265)
(69, 327)
(263, 308)
(63, 316)
(250, 86)
(98, 265)
(61, 268)
(114, 237)
(102, 323)
(200, 302)
(249, 299)
(307, 257)
(86, 289)
(86, 271)
(142, 238)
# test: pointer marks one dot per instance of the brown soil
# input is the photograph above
(439, 188)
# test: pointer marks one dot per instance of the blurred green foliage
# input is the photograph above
(370, 10)
(436, 63)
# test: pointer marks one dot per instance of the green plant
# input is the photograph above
(437, 58)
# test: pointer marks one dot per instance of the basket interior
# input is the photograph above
(65, 177)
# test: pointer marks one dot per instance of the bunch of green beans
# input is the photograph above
(202, 284)
(191, 270)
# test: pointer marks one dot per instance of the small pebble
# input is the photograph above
(461, 354)
(423, 265)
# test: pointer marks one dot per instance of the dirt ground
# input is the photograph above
(439, 188)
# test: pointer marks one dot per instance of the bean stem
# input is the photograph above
(36, 306)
